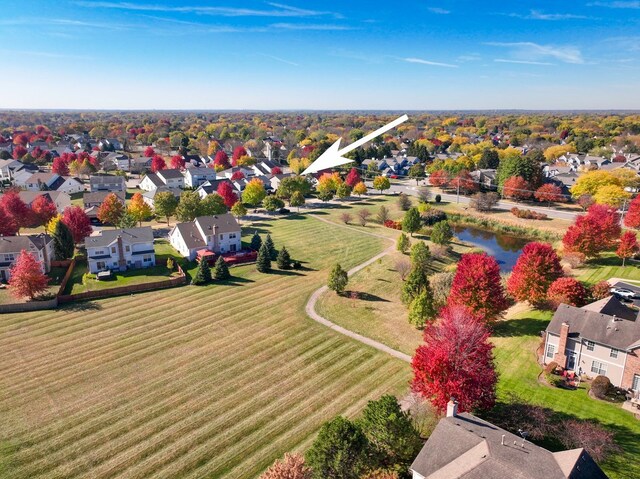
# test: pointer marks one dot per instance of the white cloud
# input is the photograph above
(428, 62)
(631, 4)
(281, 60)
(302, 26)
(520, 62)
(538, 15)
(529, 51)
(438, 10)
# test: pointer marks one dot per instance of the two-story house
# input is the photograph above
(58, 198)
(171, 178)
(210, 187)
(53, 182)
(215, 234)
(92, 201)
(120, 249)
(40, 246)
(601, 338)
(107, 183)
(194, 177)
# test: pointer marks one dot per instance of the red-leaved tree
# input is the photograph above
(594, 232)
(439, 178)
(353, 178)
(291, 467)
(60, 166)
(549, 193)
(238, 152)
(537, 267)
(517, 188)
(568, 291)
(628, 246)
(157, 163)
(43, 210)
(478, 286)
(228, 195)
(237, 175)
(276, 170)
(632, 218)
(221, 160)
(19, 151)
(465, 182)
(456, 361)
(78, 223)
(27, 279)
(149, 152)
(177, 162)
(8, 227)
(16, 209)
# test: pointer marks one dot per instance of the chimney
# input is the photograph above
(452, 408)
(560, 356)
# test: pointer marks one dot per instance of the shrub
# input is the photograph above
(404, 202)
(432, 216)
(346, 218)
(600, 386)
(439, 251)
(574, 259)
(601, 290)
(528, 214)
(395, 225)
(170, 264)
(438, 198)
(296, 265)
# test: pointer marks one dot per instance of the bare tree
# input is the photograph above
(364, 214)
(403, 266)
(484, 201)
(346, 218)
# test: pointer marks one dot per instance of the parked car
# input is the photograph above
(623, 293)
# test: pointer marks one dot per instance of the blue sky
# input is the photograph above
(412, 55)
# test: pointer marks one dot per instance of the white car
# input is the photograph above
(623, 293)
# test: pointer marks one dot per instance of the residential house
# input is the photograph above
(149, 196)
(264, 167)
(53, 182)
(601, 338)
(229, 172)
(40, 246)
(92, 201)
(217, 234)
(486, 178)
(110, 144)
(139, 165)
(194, 177)
(463, 446)
(120, 249)
(59, 198)
(173, 178)
(10, 168)
(116, 161)
(209, 187)
(194, 161)
(107, 183)
(150, 182)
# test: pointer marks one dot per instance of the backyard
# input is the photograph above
(212, 381)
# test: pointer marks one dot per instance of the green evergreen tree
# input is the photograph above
(263, 263)
(63, 246)
(203, 273)
(338, 279)
(221, 270)
(420, 255)
(421, 309)
(273, 252)
(411, 221)
(415, 283)
(256, 241)
(284, 259)
(441, 233)
(404, 243)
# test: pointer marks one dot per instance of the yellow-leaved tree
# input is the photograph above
(612, 195)
(589, 183)
(140, 210)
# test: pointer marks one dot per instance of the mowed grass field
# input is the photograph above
(212, 381)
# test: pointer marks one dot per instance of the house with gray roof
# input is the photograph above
(53, 182)
(149, 196)
(216, 234)
(210, 187)
(172, 178)
(601, 338)
(120, 249)
(194, 177)
(59, 198)
(463, 446)
(40, 246)
(107, 183)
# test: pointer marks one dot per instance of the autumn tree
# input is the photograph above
(177, 162)
(381, 183)
(140, 210)
(439, 179)
(149, 152)
(111, 209)
(26, 277)
(157, 163)
(338, 279)
(591, 181)
(568, 291)
(165, 204)
(549, 193)
(221, 160)
(60, 167)
(360, 189)
(297, 200)
(537, 267)
(254, 192)
(593, 233)
(189, 206)
(17, 210)
(238, 210)
(517, 188)
(411, 221)
(8, 226)
(78, 222)
(43, 210)
(477, 285)
(611, 195)
(238, 152)
(456, 361)
(628, 246)
(343, 191)
(211, 205)
(229, 196)
(292, 466)
(353, 178)
(464, 183)
(632, 218)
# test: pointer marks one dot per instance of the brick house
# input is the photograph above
(601, 338)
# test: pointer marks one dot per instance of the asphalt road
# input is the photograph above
(410, 188)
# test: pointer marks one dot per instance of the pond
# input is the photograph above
(505, 248)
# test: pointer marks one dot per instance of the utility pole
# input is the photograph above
(458, 192)
(624, 210)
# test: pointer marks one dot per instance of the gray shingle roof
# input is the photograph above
(466, 447)
(15, 244)
(99, 196)
(170, 173)
(130, 235)
(591, 323)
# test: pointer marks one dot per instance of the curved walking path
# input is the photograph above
(310, 307)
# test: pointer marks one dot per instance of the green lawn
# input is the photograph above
(212, 381)
(605, 267)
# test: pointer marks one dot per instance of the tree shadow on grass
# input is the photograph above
(366, 296)
(281, 272)
(81, 306)
(519, 327)
(293, 216)
(234, 281)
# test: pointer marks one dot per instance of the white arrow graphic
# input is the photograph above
(333, 156)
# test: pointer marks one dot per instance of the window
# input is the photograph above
(232, 236)
(613, 353)
(127, 248)
(101, 265)
(635, 385)
(551, 349)
(221, 237)
(590, 345)
(9, 257)
(599, 368)
(113, 249)
(147, 259)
